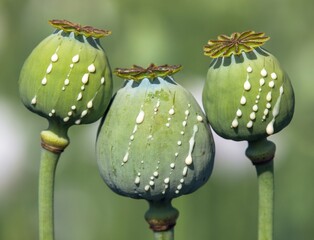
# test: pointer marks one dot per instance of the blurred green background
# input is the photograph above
(164, 31)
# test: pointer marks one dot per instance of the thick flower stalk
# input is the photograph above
(67, 80)
(154, 143)
(248, 96)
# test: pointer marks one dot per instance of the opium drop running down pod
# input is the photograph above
(154, 143)
(247, 94)
(67, 77)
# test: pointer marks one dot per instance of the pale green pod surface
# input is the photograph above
(247, 94)
(67, 77)
(154, 142)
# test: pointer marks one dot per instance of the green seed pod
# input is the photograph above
(67, 77)
(154, 142)
(247, 95)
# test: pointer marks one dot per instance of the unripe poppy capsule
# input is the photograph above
(247, 94)
(154, 142)
(67, 77)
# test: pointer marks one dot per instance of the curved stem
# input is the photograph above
(47, 170)
(265, 174)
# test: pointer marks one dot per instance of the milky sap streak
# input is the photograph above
(267, 82)
(160, 146)
(73, 81)
(243, 87)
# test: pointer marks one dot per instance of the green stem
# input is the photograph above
(262, 153)
(47, 170)
(164, 235)
(54, 141)
(161, 217)
(265, 174)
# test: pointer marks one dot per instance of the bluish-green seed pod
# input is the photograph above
(247, 95)
(67, 77)
(154, 142)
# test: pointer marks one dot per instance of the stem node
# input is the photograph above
(53, 142)
(161, 216)
(261, 151)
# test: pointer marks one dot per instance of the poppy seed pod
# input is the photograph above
(154, 142)
(67, 77)
(247, 95)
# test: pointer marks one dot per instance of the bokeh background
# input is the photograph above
(163, 31)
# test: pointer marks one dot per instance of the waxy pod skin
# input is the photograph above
(67, 78)
(154, 142)
(247, 94)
